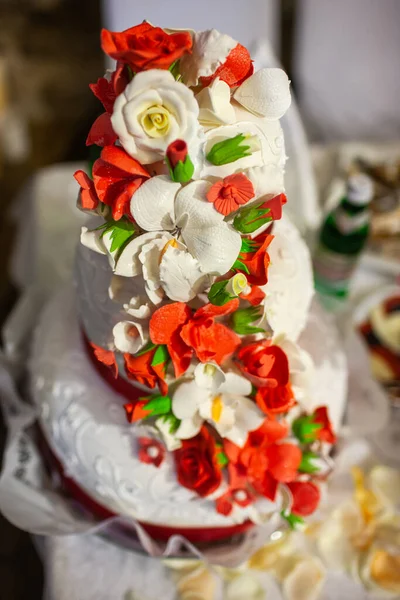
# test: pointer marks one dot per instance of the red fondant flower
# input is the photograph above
(87, 194)
(306, 497)
(107, 357)
(264, 364)
(236, 68)
(277, 399)
(101, 132)
(116, 178)
(263, 462)
(145, 47)
(185, 333)
(140, 369)
(230, 193)
(106, 90)
(326, 433)
(151, 451)
(257, 261)
(196, 464)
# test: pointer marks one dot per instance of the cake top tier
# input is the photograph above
(188, 185)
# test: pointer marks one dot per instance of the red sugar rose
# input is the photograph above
(196, 464)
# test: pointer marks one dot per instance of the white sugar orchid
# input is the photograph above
(153, 111)
(218, 398)
(162, 205)
(362, 535)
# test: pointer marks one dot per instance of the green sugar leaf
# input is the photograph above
(218, 294)
(251, 218)
(172, 421)
(183, 171)
(120, 233)
(229, 150)
(158, 405)
(307, 465)
(248, 245)
(238, 265)
(161, 355)
(222, 459)
(305, 430)
(293, 520)
(174, 69)
(242, 318)
(147, 348)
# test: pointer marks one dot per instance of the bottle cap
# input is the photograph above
(359, 189)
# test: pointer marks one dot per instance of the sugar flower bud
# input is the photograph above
(179, 163)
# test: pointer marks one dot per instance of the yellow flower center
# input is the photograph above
(172, 243)
(155, 121)
(385, 570)
(216, 409)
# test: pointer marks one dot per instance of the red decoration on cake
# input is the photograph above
(151, 451)
(326, 433)
(116, 178)
(146, 47)
(87, 194)
(185, 333)
(196, 464)
(230, 193)
(306, 497)
(264, 364)
(237, 67)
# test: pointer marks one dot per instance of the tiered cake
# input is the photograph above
(187, 383)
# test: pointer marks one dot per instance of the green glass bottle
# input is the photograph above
(342, 238)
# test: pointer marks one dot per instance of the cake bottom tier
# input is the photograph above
(85, 428)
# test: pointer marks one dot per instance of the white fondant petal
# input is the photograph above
(209, 376)
(236, 384)
(189, 427)
(248, 417)
(152, 205)
(215, 104)
(187, 398)
(128, 263)
(129, 343)
(213, 242)
(150, 258)
(92, 240)
(266, 93)
(171, 441)
(180, 275)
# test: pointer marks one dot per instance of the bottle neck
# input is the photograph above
(352, 209)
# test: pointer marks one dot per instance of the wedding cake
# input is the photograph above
(188, 380)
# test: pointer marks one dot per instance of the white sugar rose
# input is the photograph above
(153, 111)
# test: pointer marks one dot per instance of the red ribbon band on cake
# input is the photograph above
(161, 533)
